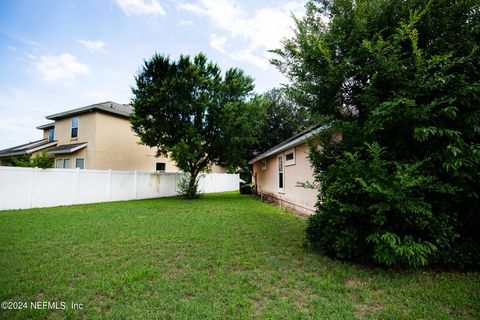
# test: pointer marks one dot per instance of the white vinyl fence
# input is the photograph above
(22, 188)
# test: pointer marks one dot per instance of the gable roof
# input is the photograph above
(119, 109)
(291, 142)
(27, 148)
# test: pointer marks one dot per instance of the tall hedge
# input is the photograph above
(399, 82)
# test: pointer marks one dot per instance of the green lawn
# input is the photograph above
(224, 256)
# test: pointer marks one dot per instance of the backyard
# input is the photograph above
(223, 256)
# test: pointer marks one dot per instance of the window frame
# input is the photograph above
(280, 174)
(83, 167)
(164, 166)
(56, 161)
(63, 160)
(51, 134)
(292, 161)
(72, 127)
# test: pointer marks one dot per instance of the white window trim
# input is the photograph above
(281, 190)
(290, 162)
(63, 163)
(264, 164)
(84, 162)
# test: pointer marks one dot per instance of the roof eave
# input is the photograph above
(28, 151)
(68, 151)
(291, 144)
(46, 126)
(65, 114)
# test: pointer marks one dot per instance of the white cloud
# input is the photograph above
(93, 46)
(218, 43)
(185, 22)
(10, 47)
(62, 67)
(262, 31)
(141, 7)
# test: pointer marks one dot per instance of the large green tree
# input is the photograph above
(191, 112)
(283, 118)
(399, 82)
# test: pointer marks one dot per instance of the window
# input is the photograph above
(280, 173)
(264, 164)
(290, 157)
(160, 166)
(79, 163)
(62, 163)
(50, 134)
(74, 133)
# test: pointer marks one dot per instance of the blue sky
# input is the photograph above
(60, 55)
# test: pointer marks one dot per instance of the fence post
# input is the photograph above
(135, 183)
(109, 185)
(34, 178)
(76, 174)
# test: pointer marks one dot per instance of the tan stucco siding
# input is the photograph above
(117, 147)
(87, 124)
(298, 198)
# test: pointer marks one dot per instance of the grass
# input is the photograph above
(224, 256)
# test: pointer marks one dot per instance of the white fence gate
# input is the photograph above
(22, 188)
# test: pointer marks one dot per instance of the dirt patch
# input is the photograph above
(354, 283)
(366, 308)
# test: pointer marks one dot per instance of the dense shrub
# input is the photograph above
(246, 189)
(397, 85)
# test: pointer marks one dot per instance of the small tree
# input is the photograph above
(189, 111)
(41, 160)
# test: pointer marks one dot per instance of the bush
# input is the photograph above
(186, 190)
(398, 83)
(246, 189)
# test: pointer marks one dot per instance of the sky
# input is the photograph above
(60, 55)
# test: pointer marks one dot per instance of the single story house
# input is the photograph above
(277, 172)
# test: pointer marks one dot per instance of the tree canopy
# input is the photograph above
(190, 111)
(283, 118)
(400, 82)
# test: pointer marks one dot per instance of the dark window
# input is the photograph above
(74, 127)
(160, 166)
(289, 156)
(50, 134)
(280, 180)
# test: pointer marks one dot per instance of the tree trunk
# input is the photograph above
(192, 192)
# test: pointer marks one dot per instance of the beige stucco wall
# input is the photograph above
(117, 147)
(297, 198)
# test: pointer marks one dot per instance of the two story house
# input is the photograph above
(98, 136)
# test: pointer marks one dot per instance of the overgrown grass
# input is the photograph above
(224, 256)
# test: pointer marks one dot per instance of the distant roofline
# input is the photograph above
(291, 142)
(89, 108)
(46, 126)
(27, 148)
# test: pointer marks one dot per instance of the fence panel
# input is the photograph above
(22, 188)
